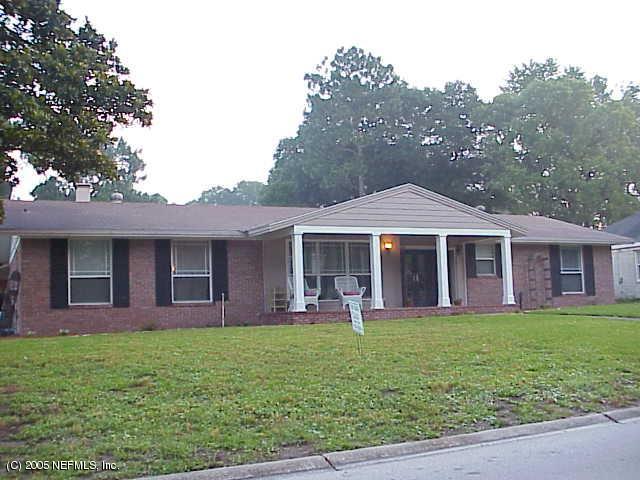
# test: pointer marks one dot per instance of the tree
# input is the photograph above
(62, 92)
(560, 146)
(129, 172)
(526, 73)
(244, 193)
(346, 116)
(365, 130)
(53, 189)
(446, 150)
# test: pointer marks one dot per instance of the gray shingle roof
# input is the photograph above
(60, 218)
(628, 227)
(137, 219)
(548, 230)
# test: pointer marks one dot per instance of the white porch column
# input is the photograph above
(377, 301)
(507, 270)
(443, 271)
(298, 273)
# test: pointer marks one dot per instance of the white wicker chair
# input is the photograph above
(311, 295)
(348, 290)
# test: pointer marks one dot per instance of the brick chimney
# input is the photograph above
(83, 192)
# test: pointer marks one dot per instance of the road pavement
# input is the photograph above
(603, 451)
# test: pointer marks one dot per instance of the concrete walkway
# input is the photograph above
(611, 317)
(590, 315)
(605, 445)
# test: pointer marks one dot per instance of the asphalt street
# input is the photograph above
(608, 451)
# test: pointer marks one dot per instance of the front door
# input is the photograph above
(419, 278)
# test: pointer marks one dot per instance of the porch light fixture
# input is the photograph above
(388, 245)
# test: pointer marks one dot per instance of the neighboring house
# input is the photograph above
(626, 257)
(97, 267)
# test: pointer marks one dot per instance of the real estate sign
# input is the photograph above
(355, 312)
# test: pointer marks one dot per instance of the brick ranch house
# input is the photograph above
(101, 267)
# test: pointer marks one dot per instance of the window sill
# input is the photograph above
(206, 303)
(573, 293)
(90, 306)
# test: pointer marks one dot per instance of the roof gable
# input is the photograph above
(405, 206)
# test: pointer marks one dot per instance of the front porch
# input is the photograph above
(405, 273)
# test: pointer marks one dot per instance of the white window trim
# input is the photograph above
(492, 258)
(637, 254)
(316, 247)
(70, 276)
(573, 272)
(174, 275)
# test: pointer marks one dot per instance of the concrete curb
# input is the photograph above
(623, 414)
(252, 470)
(336, 460)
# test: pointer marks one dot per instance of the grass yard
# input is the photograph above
(621, 309)
(170, 401)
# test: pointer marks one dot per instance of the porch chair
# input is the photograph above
(348, 290)
(311, 295)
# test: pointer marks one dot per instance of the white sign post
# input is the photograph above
(357, 324)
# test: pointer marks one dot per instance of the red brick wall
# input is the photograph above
(35, 315)
(603, 273)
(484, 290)
(246, 293)
(532, 275)
(532, 279)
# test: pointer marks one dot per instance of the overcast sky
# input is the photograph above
(226, 77)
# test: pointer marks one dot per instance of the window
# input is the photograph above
(191, 271)
(89, 272)
(571, 280)
(332, 258)
(486, 259)
(359, 258)
(638, 266)
(325, 260)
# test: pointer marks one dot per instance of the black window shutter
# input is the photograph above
(163, 273)
(120, 272)
(554, 263)
(220, 269)
(498, 255)
(58, 287)
(470, 259)
(589, 277)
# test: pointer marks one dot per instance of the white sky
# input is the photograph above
(226, 77)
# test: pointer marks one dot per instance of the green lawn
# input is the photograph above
(170, 401)
(621, 309)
